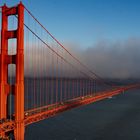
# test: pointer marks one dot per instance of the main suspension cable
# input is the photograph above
(75, 58)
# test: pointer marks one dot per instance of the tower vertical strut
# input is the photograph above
(18, 59)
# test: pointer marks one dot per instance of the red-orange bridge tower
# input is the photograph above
(18, 59)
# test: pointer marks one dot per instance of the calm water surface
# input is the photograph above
(111, 119)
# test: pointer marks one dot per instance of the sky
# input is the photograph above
(86, 22)
(103, 34)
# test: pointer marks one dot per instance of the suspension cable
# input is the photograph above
(75, 58)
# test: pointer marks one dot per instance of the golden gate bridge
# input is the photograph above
(39, 77)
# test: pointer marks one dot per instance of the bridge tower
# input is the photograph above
(18, 59)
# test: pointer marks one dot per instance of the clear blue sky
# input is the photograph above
(86, 21)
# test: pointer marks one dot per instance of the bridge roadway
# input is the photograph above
(48, 111)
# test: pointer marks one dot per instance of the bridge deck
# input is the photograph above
(45, 112)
